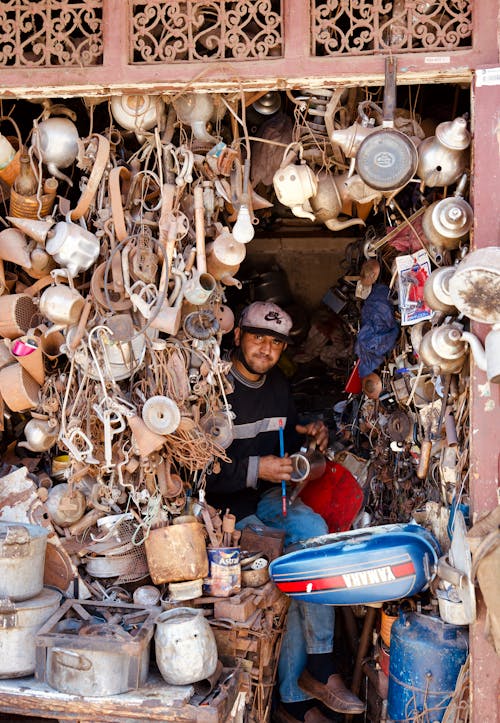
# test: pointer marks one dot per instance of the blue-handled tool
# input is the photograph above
(283, 482)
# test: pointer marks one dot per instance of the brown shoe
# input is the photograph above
(314, 715)
(333, 693)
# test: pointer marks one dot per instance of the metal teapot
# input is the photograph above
(443, 349)
(327, 203)
(446, 223)
(56, 142)
(437, 290)
(41, 433)
(442, 157)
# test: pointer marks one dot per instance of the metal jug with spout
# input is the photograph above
(442, 158)
(443, 349)
(446, 223)
(56, 141)
(327, 203)
(41, 433)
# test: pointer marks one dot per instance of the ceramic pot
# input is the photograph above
(73, 247)
(185, 646)
(65, 506)
(294, 185)
(137, 113)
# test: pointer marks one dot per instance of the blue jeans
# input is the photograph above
(309, 627)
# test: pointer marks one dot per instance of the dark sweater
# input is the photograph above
(258, 407)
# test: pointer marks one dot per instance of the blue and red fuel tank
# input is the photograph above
(373, 564)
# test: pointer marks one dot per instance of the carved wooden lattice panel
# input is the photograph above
(372, 26)
(50, 32)
(194, 30)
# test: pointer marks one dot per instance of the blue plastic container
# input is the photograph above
(426, 657)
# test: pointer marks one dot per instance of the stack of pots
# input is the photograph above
(25, 604)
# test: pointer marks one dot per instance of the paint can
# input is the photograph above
(224, 575)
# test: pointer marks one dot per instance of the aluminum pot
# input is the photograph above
(22, 560)
(19, 624)
(98, 671)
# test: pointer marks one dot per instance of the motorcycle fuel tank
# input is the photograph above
(370, 565)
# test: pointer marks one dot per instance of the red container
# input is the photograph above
(336, 496)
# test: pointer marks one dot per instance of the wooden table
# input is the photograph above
(156, 701)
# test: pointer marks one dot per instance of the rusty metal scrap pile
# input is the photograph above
(113, 294)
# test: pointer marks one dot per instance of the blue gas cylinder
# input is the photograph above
(426, 657)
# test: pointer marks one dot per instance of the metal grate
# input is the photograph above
(196, 30)
(378, 26)
(51, 33)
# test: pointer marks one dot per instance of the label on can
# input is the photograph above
(224, 574)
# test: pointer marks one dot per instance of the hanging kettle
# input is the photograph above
(443, 349)
(327, 203)
(442, 157)
(437, 290)
(56, 142)
(487, 358)
(195, 110)
(224, 256)
(446, 223)
(295, 184)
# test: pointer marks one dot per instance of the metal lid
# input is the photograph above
(386, 160)
(46, 598)
(19, 533)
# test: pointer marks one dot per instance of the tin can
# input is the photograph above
(224, 574)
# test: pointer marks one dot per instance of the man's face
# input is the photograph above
(260, 351)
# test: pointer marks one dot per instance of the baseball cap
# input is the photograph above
(264, 316)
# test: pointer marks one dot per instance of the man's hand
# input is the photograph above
(318, 431)
(275, 469)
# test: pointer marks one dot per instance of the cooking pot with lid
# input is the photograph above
(22, 560)
(19, 623)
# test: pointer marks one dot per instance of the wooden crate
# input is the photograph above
(255, 646)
